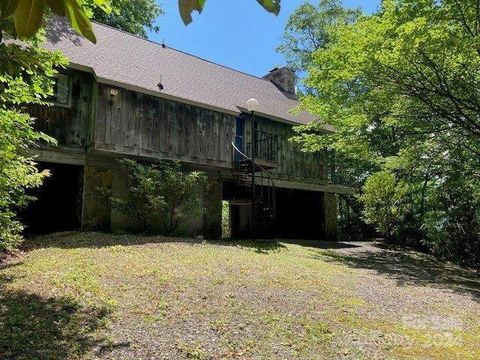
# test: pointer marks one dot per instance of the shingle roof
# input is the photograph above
(122, 59)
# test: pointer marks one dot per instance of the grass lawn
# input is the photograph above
(90, 296)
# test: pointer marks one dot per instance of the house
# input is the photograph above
(129, 97)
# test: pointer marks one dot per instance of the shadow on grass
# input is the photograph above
(410, 268)
(74, 240)
(34, 327)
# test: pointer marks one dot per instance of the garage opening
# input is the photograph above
(299, 214)
(59, 201)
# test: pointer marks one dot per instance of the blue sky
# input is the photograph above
(234, 33)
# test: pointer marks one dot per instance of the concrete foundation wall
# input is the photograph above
(100, 184)
(96, 212)
(330, 210)
(212, 218)
(300, 214)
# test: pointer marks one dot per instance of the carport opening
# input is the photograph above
(59, 201)
(300, 214)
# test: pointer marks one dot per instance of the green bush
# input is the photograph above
(384, 200)
(452, 226)
(162, 197)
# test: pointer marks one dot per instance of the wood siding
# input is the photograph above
(68, 125)
(293, 164)
(131, 123)
(136, 124)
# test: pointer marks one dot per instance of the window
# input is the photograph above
(61, 91)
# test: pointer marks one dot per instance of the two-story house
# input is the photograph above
(126, 96)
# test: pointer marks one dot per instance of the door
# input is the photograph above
(240, 137)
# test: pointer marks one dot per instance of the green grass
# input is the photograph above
(81, 296)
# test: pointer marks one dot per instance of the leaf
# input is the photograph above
(9, 7)
(186, 8)
(58, 7)
(28, 17)
(272, 6)
(79, 20)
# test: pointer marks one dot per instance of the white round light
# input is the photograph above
(252, 105)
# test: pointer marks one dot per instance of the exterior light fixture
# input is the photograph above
(252, 105)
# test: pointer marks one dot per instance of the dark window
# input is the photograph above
(61, 91)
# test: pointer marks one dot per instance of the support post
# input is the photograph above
(254, 144)
(212, 219)
(330, 212)
(96, 206)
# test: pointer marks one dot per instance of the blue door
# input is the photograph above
(240, 137)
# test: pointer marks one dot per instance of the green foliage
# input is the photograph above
(385, 202)
(25, 78)
(131, 16)
(187, 7)
(308, 29)
(453, 225)
(28, 15)
(226, 225)
(161, 195)
(400, 88)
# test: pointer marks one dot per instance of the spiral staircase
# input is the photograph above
(250, 169)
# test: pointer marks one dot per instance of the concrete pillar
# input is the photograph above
(330, 212)
(212, 219)
(120, 221)
(97, 183)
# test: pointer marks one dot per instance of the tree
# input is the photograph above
(308, 29)
(161, 195)
(131, 16)
(25, 79)
(399, 87)
(384, 200)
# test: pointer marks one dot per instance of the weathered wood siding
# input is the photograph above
(131, 123)
(68, 125)
(137, 124)
(293, 164)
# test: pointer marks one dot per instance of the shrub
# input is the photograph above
(452, 226)
(161, 195)
(384, 203)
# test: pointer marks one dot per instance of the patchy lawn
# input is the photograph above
(82, 296)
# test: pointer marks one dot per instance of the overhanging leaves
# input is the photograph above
(187, 7)
(272, 6)
(28, 17)
(8, 7)
(79, 20)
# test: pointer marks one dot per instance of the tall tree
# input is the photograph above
(308, 29)
(400, 88)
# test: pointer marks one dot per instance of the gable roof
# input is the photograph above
(128, 61)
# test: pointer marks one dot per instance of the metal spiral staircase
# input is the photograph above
(255, 183)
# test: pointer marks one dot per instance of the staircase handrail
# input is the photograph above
(262, 170)
(240, 152)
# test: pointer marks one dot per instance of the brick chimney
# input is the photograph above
(283, 78)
